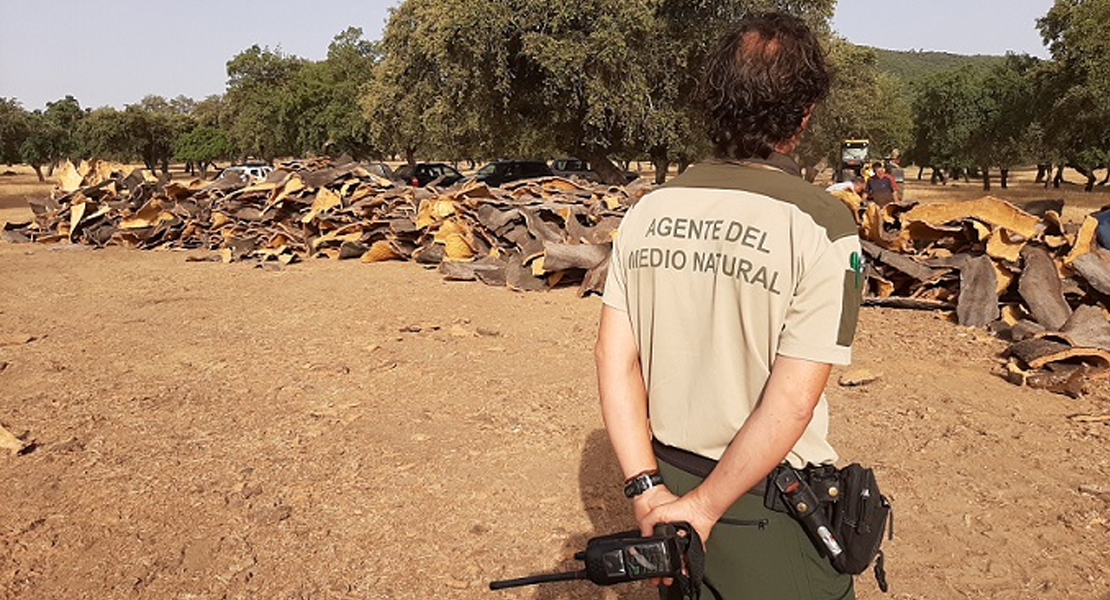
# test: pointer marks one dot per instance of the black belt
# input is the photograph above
(696, 464)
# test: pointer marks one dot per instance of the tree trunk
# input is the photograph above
(1005, 176)
(683, 164)
(660, 162)
(38, 171)
(986, 179)
(1089, 174)
(1106, 179)
(410, 156)
(607, 172)
(50, 169)
(166, 167)
(1059, 176)
(810, 172)
(1043, 171)
(920, 172)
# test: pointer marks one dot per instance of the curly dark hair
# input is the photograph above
(760, 83)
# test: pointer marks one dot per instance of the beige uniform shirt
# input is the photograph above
(720, 271)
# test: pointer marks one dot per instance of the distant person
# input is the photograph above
(849, 192)
(880, 188)
(895, 170)
(855, 184)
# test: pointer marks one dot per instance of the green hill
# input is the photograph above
(912, 65)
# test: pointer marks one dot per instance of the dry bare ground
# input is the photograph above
(338, 430)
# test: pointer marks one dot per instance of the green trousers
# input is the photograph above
(755, 553)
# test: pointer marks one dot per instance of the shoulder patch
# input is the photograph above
(824, 209)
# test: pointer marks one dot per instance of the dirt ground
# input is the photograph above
(339, 430)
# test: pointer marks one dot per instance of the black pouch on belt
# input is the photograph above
(860, 517)
(857, 512)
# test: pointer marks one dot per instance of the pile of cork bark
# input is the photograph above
(1040, 284)
(529, 236)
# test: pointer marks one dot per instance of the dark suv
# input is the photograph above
(424, 173)
(501, 172)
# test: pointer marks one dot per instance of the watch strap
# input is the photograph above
(641, 482)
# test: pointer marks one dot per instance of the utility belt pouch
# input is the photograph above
(859, 516)
(852, 517)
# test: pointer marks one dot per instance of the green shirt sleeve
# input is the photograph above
(824, 309)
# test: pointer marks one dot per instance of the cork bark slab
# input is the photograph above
(1041, 289)
(989, 210)
(1094, 266)
(1038, 352)
(978, 299)
(903, 263)
(561, 257)
(1086, 328)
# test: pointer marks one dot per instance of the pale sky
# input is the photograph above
(956, 26)
(114, 52)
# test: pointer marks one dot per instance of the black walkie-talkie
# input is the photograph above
(619, 558)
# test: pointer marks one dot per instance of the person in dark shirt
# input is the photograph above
(881, 188)
(896, 172)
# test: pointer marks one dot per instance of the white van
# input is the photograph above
(250, 173)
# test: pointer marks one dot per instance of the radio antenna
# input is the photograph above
(534, 579)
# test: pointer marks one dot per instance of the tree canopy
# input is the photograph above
(602, 80)
(911, 65)
(13, 130)
(282, 105)
(203, 145)
(1075, 85)
(864, 103)
(40, 137)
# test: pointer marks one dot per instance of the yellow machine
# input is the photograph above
(853, 158)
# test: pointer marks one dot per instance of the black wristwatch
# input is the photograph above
(638, 484)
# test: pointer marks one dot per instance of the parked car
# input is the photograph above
(425, 173)
(248, 172)
(573, 167)
(498, 173)
(380, 169)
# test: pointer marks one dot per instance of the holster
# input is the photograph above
(823, 480)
